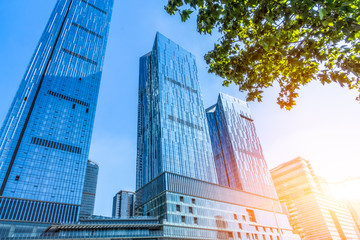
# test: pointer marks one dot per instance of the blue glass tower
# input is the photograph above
(172, 132)
(89, 191)
(45, 138)
(123, 204)
(237, 151)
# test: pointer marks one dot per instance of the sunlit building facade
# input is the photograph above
(123, 204)
(354, 208)
(45, 138)
(238, 155)
(89, 191)
(313, 214)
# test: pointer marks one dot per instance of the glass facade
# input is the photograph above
(89, 192)
(45, 138)
(313, 214)
(123, 204)
(193, 209)
(238, 155)
(172, 129)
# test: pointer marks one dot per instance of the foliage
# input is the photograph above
(292, 42)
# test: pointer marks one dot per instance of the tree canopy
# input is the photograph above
(292, 42)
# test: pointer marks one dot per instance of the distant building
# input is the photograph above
(123, 204)
(313, 214)
(89, 192)
(238, 155)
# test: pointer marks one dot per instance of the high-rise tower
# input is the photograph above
(123, 204)
(89, 191)
(313, 214)
(172, 132)
(237, 150)
(45, 138)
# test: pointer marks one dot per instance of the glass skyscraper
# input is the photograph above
(123, 204)
(45, 138)
(238, 155)
(313, 214)
(172, 131)
(89, 191)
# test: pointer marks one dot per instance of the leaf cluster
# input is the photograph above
(292, 42)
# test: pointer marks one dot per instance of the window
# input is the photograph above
(17, 178)
(264, 229)
(183, 219)
(79, 79)
(257, 228)
(178, 208)
(181, 199)
(256, 237)
(73, 107)
(244, 218)
(87, 110)
(247, 236)
(240, 226)
(277, 237)
(235, 217)
(191, 210)
(271, 230)
(264, 237)
(193, 201)
(251, 215)
(271, 237)
(196, 221)
(239, 235)
(25, 99)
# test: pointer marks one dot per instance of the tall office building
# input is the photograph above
(176, 173)
(172, 132)
(237, 151)
(123, 204)
(313, 214)
(45, 138)
(89, 191)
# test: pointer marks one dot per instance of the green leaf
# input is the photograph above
(322, 13)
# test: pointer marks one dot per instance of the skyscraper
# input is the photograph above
(45, 138)
(176, 174)
(89, 191)
(313, 214)
(123, 204)
(237, 151)
(172, 132)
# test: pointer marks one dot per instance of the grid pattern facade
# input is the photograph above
(238, 155)
(123, 204)
(45, 138)
(313, 215)
(193, 209)
(172, 129)
(89, 192)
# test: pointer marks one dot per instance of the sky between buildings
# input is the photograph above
(324, 127)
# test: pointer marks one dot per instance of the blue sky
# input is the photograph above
(323, 128)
